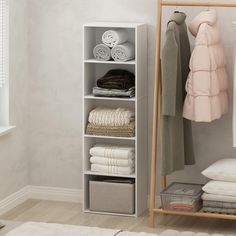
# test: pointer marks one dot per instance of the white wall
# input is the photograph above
(54, 98)
(55, 74)
(13, 147)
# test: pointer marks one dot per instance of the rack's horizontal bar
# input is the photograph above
(199, 4)
(196, 214)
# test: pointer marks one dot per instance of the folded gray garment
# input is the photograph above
(227, 205)
(102, 52)
(101, 92)
(219, 210)
(123, 52)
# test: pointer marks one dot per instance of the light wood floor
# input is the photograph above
(71, 213)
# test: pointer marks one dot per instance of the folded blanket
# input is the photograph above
(112, 161)
(117, 79)
(219, 210)
(114, 37)
(227, 205)
(112, 169)
(111, 117)
(115, 131)
(122, 93)
(220, 188)
(123, 52)
(102, 52)
(218, 198)
(111, 151)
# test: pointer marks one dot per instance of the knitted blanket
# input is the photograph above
(111, 117)
(116, 131)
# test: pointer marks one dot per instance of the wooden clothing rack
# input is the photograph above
(156, 114)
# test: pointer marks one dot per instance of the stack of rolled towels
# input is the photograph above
(112, 159)
(220, 192)
(116, 83)
(104, 121)
(115, 45)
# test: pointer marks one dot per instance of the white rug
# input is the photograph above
(44, 229)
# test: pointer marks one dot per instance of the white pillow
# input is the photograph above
(223, 170)
(220, 188)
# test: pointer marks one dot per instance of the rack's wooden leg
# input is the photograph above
(156, 114)
(164, 182)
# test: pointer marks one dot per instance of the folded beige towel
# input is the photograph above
(116, 131)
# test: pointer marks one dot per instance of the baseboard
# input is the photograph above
(42, 193)
(13, 200)
(56, 194)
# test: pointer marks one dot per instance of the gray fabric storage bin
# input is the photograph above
(111, 197)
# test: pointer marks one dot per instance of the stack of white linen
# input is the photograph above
(112, 159)
(220, 192)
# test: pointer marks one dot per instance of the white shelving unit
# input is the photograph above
(93, 70)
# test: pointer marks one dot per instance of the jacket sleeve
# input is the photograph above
(169, 70)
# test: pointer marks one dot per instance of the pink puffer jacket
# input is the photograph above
(207, 83)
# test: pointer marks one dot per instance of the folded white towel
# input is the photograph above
(112, 169)
(111, 151)
(111, 117)
(102, 52)
(218, 198)
(112, 161)
(220, 188)
(123, 52)
(113, 37)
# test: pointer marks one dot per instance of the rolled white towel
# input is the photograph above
(112, 169)
(112, 38)
(112, 161)
(111, 151)
(111, 117)
(102, 52)
(123, 52)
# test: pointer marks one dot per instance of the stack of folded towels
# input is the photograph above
(115, 46)
(105, 121)
(116, 83)
(112, 159)
(220, 193)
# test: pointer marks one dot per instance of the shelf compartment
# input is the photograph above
(93, 36)
(94, 61)
(196, 214)
(89, 172)
(91, 96)
(91, 142)
(94, 71)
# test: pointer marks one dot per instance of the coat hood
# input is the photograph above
(177, 17)
(209, 17)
